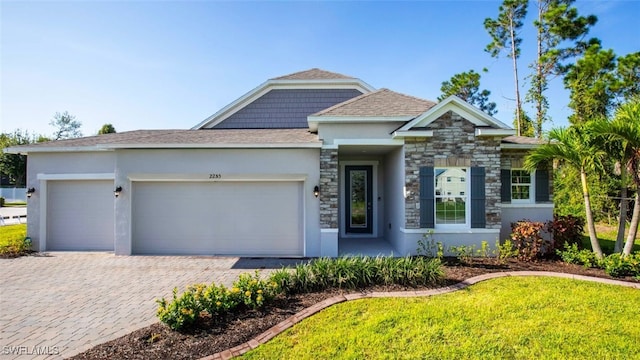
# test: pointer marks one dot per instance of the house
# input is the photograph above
(298, 166)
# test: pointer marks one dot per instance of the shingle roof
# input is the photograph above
(523, 140)
(200, 138)
(383, 102)
(313, 74)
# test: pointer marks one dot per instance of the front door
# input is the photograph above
(358, 199)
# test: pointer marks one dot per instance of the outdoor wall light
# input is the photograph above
(316, 191)
(117, 191)
(30, 192)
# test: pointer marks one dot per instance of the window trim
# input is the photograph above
(532, 187)
(467, 197)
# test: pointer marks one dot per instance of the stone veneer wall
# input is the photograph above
(328, 188)
(453, 144)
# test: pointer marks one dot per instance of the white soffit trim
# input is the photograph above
(43, 149)
(494, 132)
(216, 177)
(313, 121)
(415, 133)
(269, 85)
(379, 142)
(96, 176)
(459, 106)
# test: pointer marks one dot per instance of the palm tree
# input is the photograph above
(625, 128)
(575, 148)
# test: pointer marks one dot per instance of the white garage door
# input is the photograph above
(80, 215)
(221, 218)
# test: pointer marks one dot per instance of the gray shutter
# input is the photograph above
(542, 185)
(427, 198)
(505, 190)
(478, 216)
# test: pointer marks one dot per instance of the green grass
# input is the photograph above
(607, 237)
(12, 239)
(506, 318)
(15, 204)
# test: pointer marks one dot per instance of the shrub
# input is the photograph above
(464, 253)
(253, 292)
(527, 238)
(506, 250)
(617, 265)
(565, 229)
(357, 272)
(573, 255)
(427, 246)
(182, 311)
(1, 201)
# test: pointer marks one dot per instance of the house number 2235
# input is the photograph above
(215, 176)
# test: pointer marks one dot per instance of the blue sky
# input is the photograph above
(155, 65)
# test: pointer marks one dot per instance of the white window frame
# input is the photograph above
(467, 197)
(532, 187)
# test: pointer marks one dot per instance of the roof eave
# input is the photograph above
(314, 144)
(314, 121)
(49, 149)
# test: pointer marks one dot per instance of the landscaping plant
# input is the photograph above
(250, 292)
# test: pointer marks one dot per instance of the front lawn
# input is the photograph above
(12, 240)
(515, 317)
(607, 237)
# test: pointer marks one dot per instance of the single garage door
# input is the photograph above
(80, 215)
(218, 218)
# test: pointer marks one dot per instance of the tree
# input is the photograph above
(574, 147)
(15, 165)
(504, 34)
(66, 125)
(600, 81)
(592, 83)
(628, 75)
(466, 85)
(106, 129)
(557, 23)
(526, 124)
(625, 127)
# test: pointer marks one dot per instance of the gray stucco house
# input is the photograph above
(299, 166)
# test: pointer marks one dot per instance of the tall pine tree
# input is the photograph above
(504, 31)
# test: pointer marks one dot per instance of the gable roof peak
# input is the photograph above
(313, 74)
(380, 103)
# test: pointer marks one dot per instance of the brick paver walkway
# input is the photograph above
(64, 303)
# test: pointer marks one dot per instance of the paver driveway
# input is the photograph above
(66, 302)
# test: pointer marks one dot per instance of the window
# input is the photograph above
(521, 185)
(451, 209)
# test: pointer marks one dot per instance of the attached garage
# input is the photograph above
(257, 218)
(80, 215)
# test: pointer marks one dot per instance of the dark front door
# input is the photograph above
(358, 198)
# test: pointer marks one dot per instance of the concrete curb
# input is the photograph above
(305, 313)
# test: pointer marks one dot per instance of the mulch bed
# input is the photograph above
(159, 342)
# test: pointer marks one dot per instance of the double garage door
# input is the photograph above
(217, 218)
(179, 218)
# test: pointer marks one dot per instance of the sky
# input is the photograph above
(171, 64)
